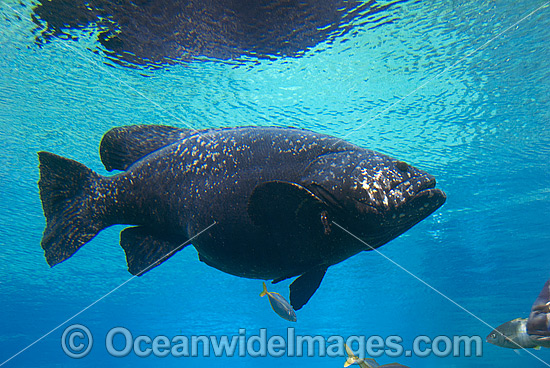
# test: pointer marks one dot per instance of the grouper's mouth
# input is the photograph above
(418, 186)
(405, 205)
(413, 200)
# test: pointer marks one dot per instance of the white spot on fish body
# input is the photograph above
(365, 184)
(370, 196)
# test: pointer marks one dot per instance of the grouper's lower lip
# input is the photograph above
(432, 194)
(425, 202)
(418, 207)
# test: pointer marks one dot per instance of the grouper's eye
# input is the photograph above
(402, 166)
(493, 336)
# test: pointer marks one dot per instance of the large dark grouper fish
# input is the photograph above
(272, 194)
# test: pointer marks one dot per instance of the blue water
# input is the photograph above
(455, 88)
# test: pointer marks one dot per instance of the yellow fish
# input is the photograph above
(367, 362)
(280, 305)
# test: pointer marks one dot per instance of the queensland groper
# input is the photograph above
(273, 194)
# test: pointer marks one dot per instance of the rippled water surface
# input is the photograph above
(459, 89)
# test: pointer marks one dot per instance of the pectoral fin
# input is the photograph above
(303, 288)
(279, 205)
(146, 249)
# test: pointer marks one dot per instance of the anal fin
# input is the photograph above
(303, 288)
(146, 249)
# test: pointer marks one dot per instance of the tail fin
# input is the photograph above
(66, 188)
(264, 293)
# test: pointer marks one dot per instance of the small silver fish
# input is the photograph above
(513, 335)
(367, 362)
(279, 305)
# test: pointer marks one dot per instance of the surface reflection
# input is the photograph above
(166, 31)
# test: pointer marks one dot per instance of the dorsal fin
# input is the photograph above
(122, 146)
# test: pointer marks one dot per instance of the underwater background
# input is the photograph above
(460, 89)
